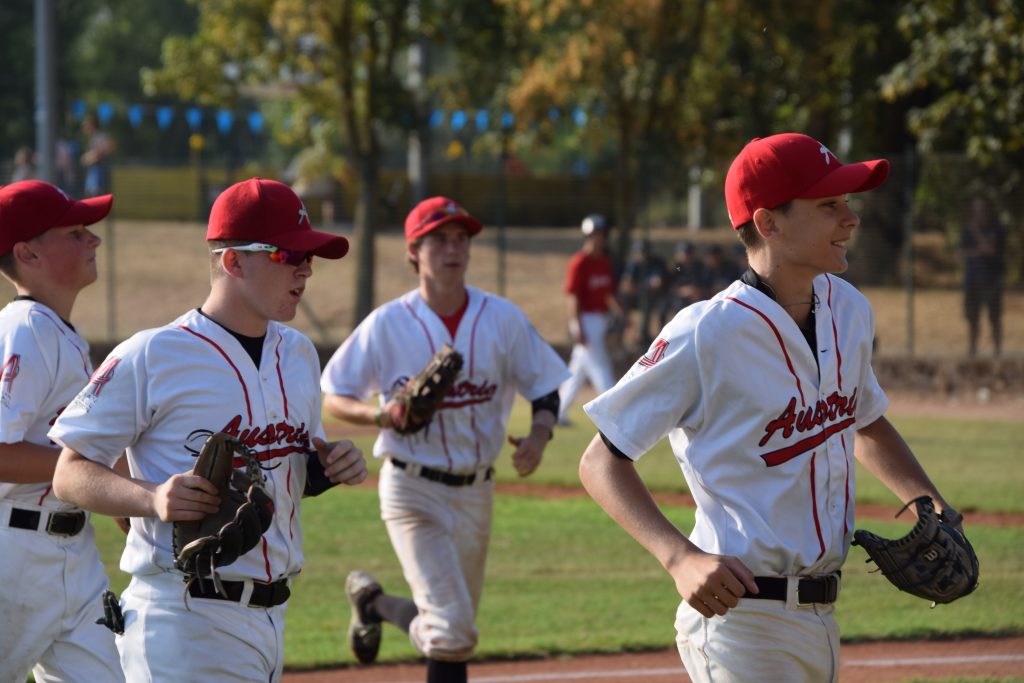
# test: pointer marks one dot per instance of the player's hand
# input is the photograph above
(185, 497)
(343, 462)
(528, 453)
(712, 584)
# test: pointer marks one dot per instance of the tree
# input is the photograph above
(328, 63)
(967, 58)
(630, 60)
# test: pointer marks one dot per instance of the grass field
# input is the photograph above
(563, 578)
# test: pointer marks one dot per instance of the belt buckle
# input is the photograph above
(50, 522)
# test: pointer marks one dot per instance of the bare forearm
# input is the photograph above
(881, 449)
(96, 487)
(616, 486)
(350, 409)
(27, 463)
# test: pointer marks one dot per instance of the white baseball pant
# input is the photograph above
(50, 599)
(210, 640)
(440, 534)
(760, 640)
(590, 361)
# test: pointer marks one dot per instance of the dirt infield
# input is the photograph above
(881, 662)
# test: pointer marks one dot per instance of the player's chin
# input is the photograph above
(286, 311)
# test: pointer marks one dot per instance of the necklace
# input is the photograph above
(813, 302)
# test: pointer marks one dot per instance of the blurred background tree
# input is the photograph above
(658, 95)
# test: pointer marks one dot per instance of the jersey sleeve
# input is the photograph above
(28, 373)
(871, 401)
(537, 368)
(110, 412)
(660, 392)
(352, 370)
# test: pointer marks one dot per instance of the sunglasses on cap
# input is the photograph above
(276, 254)
(447, 212)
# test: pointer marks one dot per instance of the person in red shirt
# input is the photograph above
(590, 295)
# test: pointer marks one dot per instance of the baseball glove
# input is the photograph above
(246, 511)
(413, 406)
(935, 561)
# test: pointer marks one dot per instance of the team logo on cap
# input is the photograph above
(303, 214)
(825, 151)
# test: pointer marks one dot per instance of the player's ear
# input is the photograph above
(24, 253)
(231, 262)
(764, 223)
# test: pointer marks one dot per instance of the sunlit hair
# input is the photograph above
(414, 246)
(748, 233)
(216, 269)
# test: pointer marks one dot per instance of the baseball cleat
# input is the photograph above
(364, 628)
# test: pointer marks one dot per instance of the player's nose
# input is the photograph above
(94, 239)
(850, 219)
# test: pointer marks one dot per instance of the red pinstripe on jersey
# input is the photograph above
(59, 324)
(245, 390)
(782, 345)
(438, 416)
(280, 379)
(472, 365)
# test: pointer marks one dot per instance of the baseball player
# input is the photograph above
(229, 366)
(590, 295)
(766, 393)
(436, 486)
(51, 576)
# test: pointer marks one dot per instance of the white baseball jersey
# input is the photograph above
(50, 585)
(45, 363)
(502, 353)
(764, 439)
(162, 392)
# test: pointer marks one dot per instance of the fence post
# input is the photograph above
(908, 242)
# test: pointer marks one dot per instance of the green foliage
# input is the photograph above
(969, 58)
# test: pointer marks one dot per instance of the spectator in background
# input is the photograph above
(719, 272)
(686, 281)
(982, 245)
(65, 165)
(96, 158)
(643, 287)
(24, 165)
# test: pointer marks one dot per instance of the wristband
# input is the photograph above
(551, 432)
(378, 418)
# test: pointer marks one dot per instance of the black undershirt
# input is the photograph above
(252, 345)
(809, 331)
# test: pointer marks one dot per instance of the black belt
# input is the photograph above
(820, 589)
(263, 594)
(57, 523)
(446, 478)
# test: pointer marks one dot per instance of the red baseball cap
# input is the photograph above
(771, 171)
(31, 207)
(260, 210)
(435, 212)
